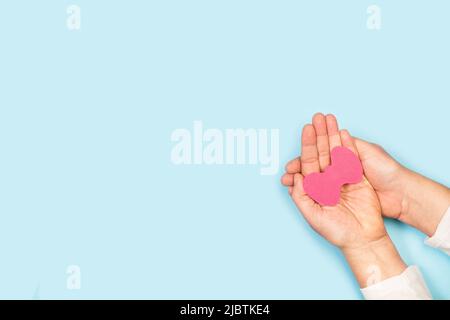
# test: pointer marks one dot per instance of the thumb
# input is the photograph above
(362, 145)
(365, 149)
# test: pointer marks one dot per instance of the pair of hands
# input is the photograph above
(356, 225)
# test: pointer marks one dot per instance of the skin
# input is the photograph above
(355, 225)
(403, 194)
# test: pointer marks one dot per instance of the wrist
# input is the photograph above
(425, 203)
(374, 261)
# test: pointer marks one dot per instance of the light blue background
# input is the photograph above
(86, 118)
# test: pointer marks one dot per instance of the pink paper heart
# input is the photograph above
(325, 187)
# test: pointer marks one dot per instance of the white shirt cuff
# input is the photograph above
(441, 239)
(410, 285)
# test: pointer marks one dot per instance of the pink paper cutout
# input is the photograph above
(325, 187)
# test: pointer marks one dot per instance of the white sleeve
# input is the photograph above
(410, 285)
(441, 238)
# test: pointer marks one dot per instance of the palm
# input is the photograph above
(357, 218)
(346, 223)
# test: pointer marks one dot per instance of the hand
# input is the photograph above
(403, 194)
(355, 225)
(356, 221)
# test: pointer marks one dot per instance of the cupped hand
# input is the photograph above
(387, 176)
(403, 194)
(356, 221)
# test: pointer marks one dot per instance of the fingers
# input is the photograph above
(318, 140)
(310, 156)
(348, 142)
(294, 166)
(305, 204)
(323, 147)
(334, 137)
(287, 180)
